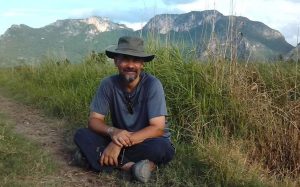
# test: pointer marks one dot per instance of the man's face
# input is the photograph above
(129, 67)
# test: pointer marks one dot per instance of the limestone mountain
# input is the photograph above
(70, 38)
(209, 33)
(212, 33)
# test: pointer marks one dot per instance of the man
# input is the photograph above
(138, 140)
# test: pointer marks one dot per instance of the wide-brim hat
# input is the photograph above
(132, 46)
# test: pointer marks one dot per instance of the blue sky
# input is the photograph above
(282, 15)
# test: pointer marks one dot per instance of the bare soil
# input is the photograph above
(49, 134)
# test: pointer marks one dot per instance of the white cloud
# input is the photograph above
(29, 12)
(172, 2)
(81, 12)
(197, 5)
(12, 13)
(134, 26)
(295, 1)
(17, 12)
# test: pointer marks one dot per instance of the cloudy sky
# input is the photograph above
(282, 15)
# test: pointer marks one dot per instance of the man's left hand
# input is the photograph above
(110, 155)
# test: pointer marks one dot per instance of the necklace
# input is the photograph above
(129, 103)
(129, 97)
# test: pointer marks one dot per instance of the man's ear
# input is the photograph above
(143, 65)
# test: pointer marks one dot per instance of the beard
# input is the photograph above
(128, 78)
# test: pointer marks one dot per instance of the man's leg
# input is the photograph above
(92, 145)
(143, 158)
(158, 150)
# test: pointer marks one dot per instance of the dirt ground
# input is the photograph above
(49, 134)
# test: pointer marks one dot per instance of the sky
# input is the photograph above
(281, 15)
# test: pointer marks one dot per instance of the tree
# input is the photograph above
(94, 58)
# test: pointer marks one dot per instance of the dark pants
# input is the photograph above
(158, 150)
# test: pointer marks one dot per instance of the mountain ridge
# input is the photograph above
(212, 26)
(208, 30)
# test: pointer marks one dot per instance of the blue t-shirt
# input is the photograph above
(147, 100)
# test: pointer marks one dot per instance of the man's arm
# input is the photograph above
(124, 138)
(112, 151)
(97, 124)
(156, 111)
(119, 136)
(154, 130)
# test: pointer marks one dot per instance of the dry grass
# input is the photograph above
(273, 128)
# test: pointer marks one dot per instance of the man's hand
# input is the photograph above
(121, 137)
(110, 155)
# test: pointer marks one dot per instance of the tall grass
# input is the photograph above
(257, 103)
(232, 125)
(61, 89)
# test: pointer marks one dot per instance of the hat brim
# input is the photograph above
(112, 53)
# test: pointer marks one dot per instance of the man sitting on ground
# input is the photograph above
(138, 139)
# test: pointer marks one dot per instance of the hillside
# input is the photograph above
(293, 55)
(71, 38)
(212, 33)
(209, 32)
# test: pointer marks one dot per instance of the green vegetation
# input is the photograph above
(53, 41)
(232, 124)
(22, 162)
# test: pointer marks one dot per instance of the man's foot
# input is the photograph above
(141, 171)
(79, 160)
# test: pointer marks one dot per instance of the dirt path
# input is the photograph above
(49, 134)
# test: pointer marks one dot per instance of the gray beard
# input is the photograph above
(129, 79)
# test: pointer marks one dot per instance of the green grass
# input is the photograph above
(232, 124)
(22, 163)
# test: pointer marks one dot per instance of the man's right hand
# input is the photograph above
(121, 137)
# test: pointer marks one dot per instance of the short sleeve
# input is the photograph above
(102, 99)
(156, 103)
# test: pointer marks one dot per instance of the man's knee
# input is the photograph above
(85, 136)
(161, 151)
(81, 134)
